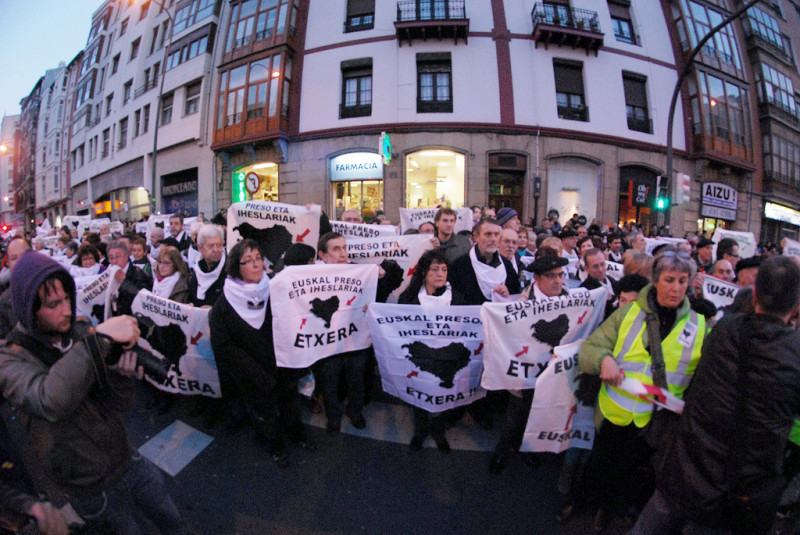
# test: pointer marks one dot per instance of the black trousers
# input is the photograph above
(329, 370)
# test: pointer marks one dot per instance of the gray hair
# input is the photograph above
(209, 231)
(670, 259)
(157, 232)
(119, 244)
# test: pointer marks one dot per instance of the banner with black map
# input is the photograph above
(275, 226)
(360, 230)
(318, 311)
(158, 220)
(405, 250)
(557, 420)
(720, 292)
(430, 357)
(92, 295)
(178, 333)
(414, 217)
(520, 337)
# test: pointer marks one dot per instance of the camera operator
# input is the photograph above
(70, 401)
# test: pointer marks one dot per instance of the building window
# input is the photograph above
(164, 30)
(570, 98)
(109, 101)
(766, 27)
(123, 133)
(621, 20)
(126, 91)
(360, 15)
(191, 13)
(776, 88)
(356, 88)
(166, 108)
(448, 187)
(192, 98)
(254, 20)
(260, 82)
(782, 159)
(699, 19)
(135, 48)
(137, 122)
(635, 86)
(719, 109)
(434, 83)
(106, 142)
(115, 65)
(154, 40)
(123, 27)
(183, 52)
(143, 12)
(145, 119)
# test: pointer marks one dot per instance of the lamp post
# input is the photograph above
(685, 72)
(154, 160)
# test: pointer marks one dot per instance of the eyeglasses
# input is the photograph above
(253, 261)
(552, 276)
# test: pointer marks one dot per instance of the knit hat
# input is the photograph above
(28, 275)
(506, 214)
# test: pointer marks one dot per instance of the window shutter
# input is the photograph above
(569, 76)
(360, 7)
(635, 90)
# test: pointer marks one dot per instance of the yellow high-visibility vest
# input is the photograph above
(681, 350)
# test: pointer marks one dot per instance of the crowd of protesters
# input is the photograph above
(719, 468)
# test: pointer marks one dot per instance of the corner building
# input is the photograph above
(537, 106)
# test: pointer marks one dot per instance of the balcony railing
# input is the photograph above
(436, 19)
(364, 110)
(579, 113)
(566, 26)
(150, 84)
(640, 125)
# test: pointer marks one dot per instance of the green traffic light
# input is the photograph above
(661, 203)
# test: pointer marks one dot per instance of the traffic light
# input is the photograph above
(682, 190)
(662, 203)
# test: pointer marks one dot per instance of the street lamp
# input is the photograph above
(685, 72)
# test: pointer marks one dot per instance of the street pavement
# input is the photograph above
(357, 482)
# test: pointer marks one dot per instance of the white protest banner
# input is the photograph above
(557, 420)
(179, 334)
(429, 357)
(74, 221)
(318, 311)
(652, 243)
(140, 227)
(414, 217)
(360, 230)
(275, 226)
(520, 337)
(92, 295)
(790, 247)
(720, 292)
(746, 241)
(93, 225)
(614, 270)
(50, 242)
(158, 220)
(405, 250)
(660, 397)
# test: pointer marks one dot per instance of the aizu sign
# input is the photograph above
(719, 201)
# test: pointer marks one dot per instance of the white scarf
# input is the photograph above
(249, 300)
(193, 256)
(435, 300)
(79, 271)
(488, 277)
(205, 280)
(163, 288)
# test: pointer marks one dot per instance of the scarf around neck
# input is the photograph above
(163, 286)
(488, 277)
(441, 300)
(249, 300)
(206, 280)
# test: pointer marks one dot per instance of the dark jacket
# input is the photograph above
(180, 292)
(463, 280)
(135, 280)
(591, 283)
(213, 292)
(695, 473)
(456, 246)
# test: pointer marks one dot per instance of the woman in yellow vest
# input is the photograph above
(619, 469)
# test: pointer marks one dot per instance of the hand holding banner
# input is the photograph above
(360, 230)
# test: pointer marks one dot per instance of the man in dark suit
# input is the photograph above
(178, 234)
(595, 262)
(131, 278)
(482, 272)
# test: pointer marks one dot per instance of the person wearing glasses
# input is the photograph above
(171, 276)
(548, 282)
(728, 249)
(241, 337)
(622, 347)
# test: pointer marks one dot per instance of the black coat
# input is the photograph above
(213, 292)
(591, 283)
(694, 473)
(135, 280)
(463, 280)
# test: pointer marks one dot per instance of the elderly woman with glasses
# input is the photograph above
(171, 279)
(659, 326)
(241, 337)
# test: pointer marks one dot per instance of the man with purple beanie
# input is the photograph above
(53, 371)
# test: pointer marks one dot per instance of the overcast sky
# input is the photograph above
(35, 35)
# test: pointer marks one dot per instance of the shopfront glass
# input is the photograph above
(434, 178)
(128, 204)
(366, 196)
(256, 182)
(572, 188)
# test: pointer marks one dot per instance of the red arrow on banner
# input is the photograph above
(478, 351)
(196, 337)
(523, 352)
(656, 392)
(302, 323)
(411, 270)
(350, 301)
(303, 235)
(412, 374)
(572, 413)
(580, 320)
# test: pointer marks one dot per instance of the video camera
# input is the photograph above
(157, 368)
